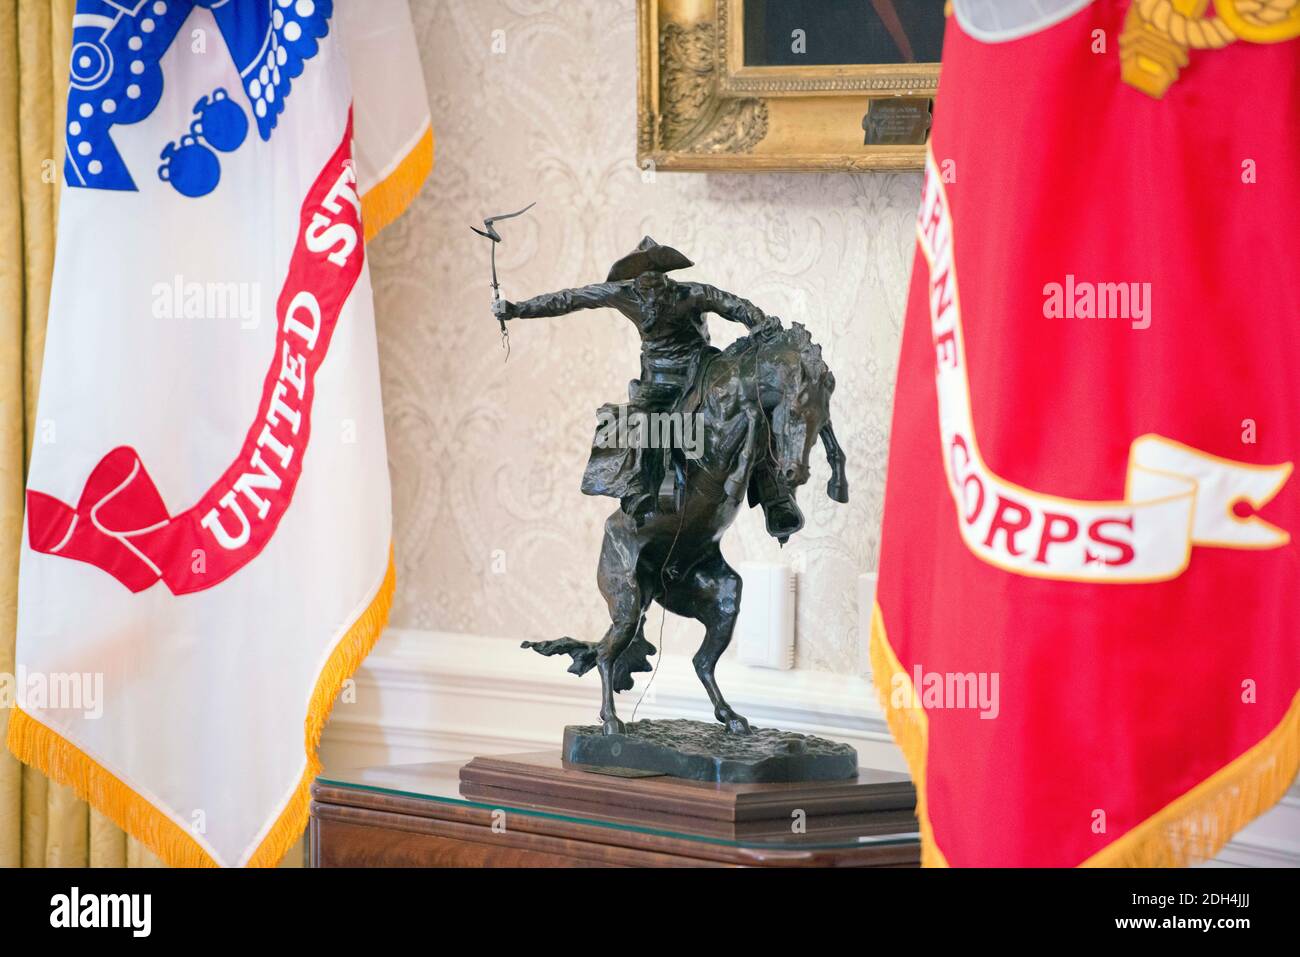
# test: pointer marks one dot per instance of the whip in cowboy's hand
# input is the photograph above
(500, 308)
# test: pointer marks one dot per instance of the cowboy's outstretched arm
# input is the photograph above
(729, 306)
(564, 301)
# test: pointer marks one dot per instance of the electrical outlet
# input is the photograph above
(765, 626)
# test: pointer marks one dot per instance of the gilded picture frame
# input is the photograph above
(700, 107)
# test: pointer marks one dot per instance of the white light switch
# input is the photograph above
(765, 627)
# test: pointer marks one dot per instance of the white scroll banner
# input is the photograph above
(1175, 496)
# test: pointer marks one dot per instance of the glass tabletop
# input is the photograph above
(440, 782)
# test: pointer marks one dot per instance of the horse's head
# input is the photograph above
(798, 403)
(784, 374)
(800, 400)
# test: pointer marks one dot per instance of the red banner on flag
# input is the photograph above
(121, 524)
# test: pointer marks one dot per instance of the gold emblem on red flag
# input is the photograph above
(1158, 34)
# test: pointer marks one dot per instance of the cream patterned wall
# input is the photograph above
(492, 535)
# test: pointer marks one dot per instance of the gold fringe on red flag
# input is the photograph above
(1194, 827)
(1188, 830)
(908, 724)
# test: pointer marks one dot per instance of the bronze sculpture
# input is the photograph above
(760, 405)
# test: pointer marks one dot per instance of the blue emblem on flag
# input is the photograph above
(116, 78)
(189, 164)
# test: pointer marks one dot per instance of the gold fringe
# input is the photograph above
(344, 661)
(1190, 829)
(57, 758)
(908, 724)
(62, 761)
(388, 199)
(1195, 826)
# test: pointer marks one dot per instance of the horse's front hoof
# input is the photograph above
(738, 725)
(614, 726)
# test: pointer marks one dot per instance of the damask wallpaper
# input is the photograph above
(535, 100)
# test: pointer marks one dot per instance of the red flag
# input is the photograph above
(1088, 627)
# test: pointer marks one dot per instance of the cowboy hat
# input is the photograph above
(648, 256)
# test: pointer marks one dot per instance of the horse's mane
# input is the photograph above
(794, 337)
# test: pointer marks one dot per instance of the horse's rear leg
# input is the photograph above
(711, 595)
(627, 603)
(616, 639)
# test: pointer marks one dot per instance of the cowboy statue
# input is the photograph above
(670, 316)
(755, 409)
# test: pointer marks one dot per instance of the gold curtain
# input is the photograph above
(41, 823)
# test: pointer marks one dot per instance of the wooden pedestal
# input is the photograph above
(529, 810)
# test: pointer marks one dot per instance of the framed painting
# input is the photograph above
(786, 84)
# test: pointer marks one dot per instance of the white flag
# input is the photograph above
(207, 554)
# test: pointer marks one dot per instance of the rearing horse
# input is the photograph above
(763, 400)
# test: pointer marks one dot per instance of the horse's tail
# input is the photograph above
(583, 652)
(635, 656)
